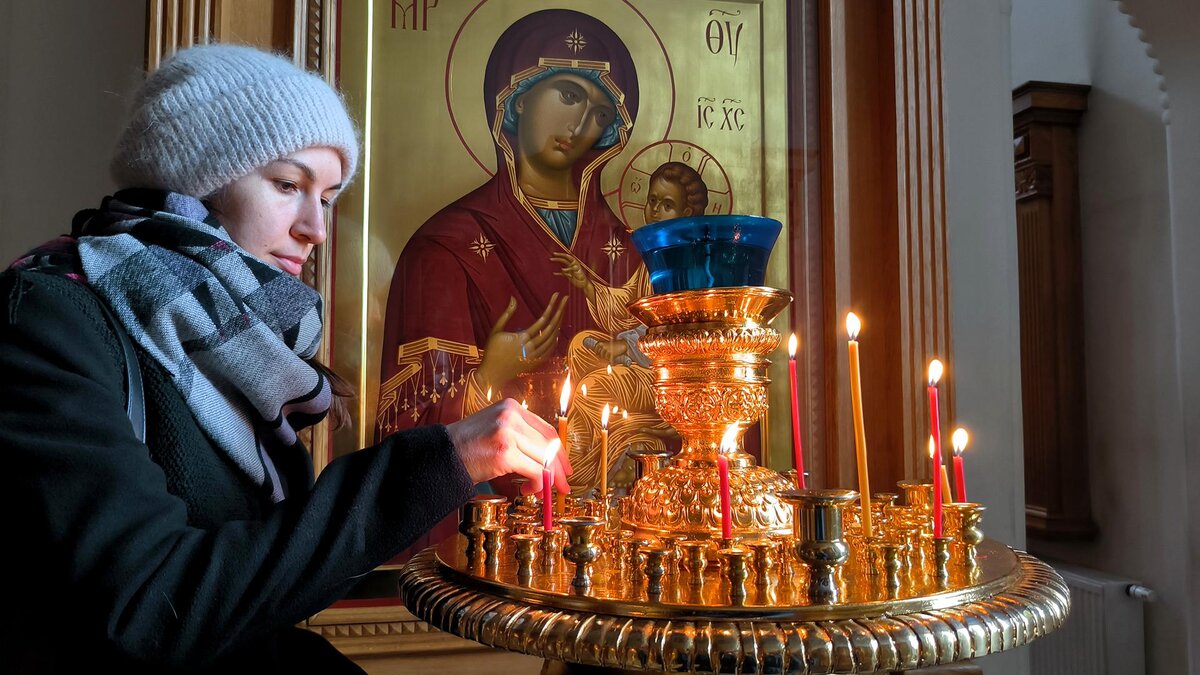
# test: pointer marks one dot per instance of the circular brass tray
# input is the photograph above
(1013, 599)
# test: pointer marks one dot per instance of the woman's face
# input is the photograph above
(665, 201)
(560, 119)
(277, 213)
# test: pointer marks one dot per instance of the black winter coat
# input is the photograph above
(162, 557)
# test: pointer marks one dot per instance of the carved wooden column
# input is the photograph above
(1045, 119)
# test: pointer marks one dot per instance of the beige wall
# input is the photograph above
(67, 68)
(1138, 196)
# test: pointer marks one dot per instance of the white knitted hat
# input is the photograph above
(214, 113)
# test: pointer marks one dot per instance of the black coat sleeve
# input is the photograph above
(94, 520)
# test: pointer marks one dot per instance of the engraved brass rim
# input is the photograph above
(728, 306)
(1028, 603)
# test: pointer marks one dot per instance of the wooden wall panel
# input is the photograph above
(885, 252)
(1057, 495)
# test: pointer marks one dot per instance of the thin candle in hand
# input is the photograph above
(547, 484)
(604, 454)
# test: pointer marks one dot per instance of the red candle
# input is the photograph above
(728, 447)
(726, 519)
(935, 427)
(547, 482)
(959, 439)
(797, 449)
(937, 490)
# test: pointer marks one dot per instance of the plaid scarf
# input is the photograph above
(234, 332)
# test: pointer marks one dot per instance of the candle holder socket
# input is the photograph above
(581, 549)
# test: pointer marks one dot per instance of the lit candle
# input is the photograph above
(959, 439)
(604, 453)
(853, 326)
(489, 395)
(564, 397)
(548, 481)
(728, 446)
(797, 448)
(937, 492)
(935, 427)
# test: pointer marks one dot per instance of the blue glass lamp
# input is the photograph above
(683, 254)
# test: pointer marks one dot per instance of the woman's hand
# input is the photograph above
(573, 272)
(505, 438)
(509, 354)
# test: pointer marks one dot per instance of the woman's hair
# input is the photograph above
(695, 191)
(343, 393)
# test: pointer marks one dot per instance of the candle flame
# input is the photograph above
(792, 344)
(935, 371)
(932, 448)
(624, 414)
(853, 325)
(583, 390)
(959, 439)
(609, 369)
(489, 394)
(564, 397)
(604, 417)
(551, 450)
(751, 324)
(525, 404)
(729, 439)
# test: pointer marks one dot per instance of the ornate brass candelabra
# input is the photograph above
(652, 585)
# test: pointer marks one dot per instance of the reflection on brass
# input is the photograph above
(649, 459)
(479, 512)
(734, 567)
(764, 553)
(695, 560)
(526, 553)
(917, 494)
(891, 566)
(941, 560)
(551, 549)
(820, 544)
(493, 541)
(1014, 599)
(580, 548)
(972, 535)
(656, 558)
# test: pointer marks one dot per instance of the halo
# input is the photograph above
(635, 179)
(483, 25)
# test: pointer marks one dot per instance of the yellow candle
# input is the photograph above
(947, 496)
(604, 453)
(564, 397)
(853, 325)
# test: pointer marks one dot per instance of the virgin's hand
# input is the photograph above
(508, 354)
(505, 438)
(571, 269)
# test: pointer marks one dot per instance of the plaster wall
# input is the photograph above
(1136, 191)
(982, 235)
(66, 71)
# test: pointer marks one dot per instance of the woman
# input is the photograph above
(200, 547)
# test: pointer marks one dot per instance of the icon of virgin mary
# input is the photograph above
(479, 304)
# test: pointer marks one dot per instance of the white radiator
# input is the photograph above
(1103, 635)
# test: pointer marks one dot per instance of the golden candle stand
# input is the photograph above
(645, 582)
